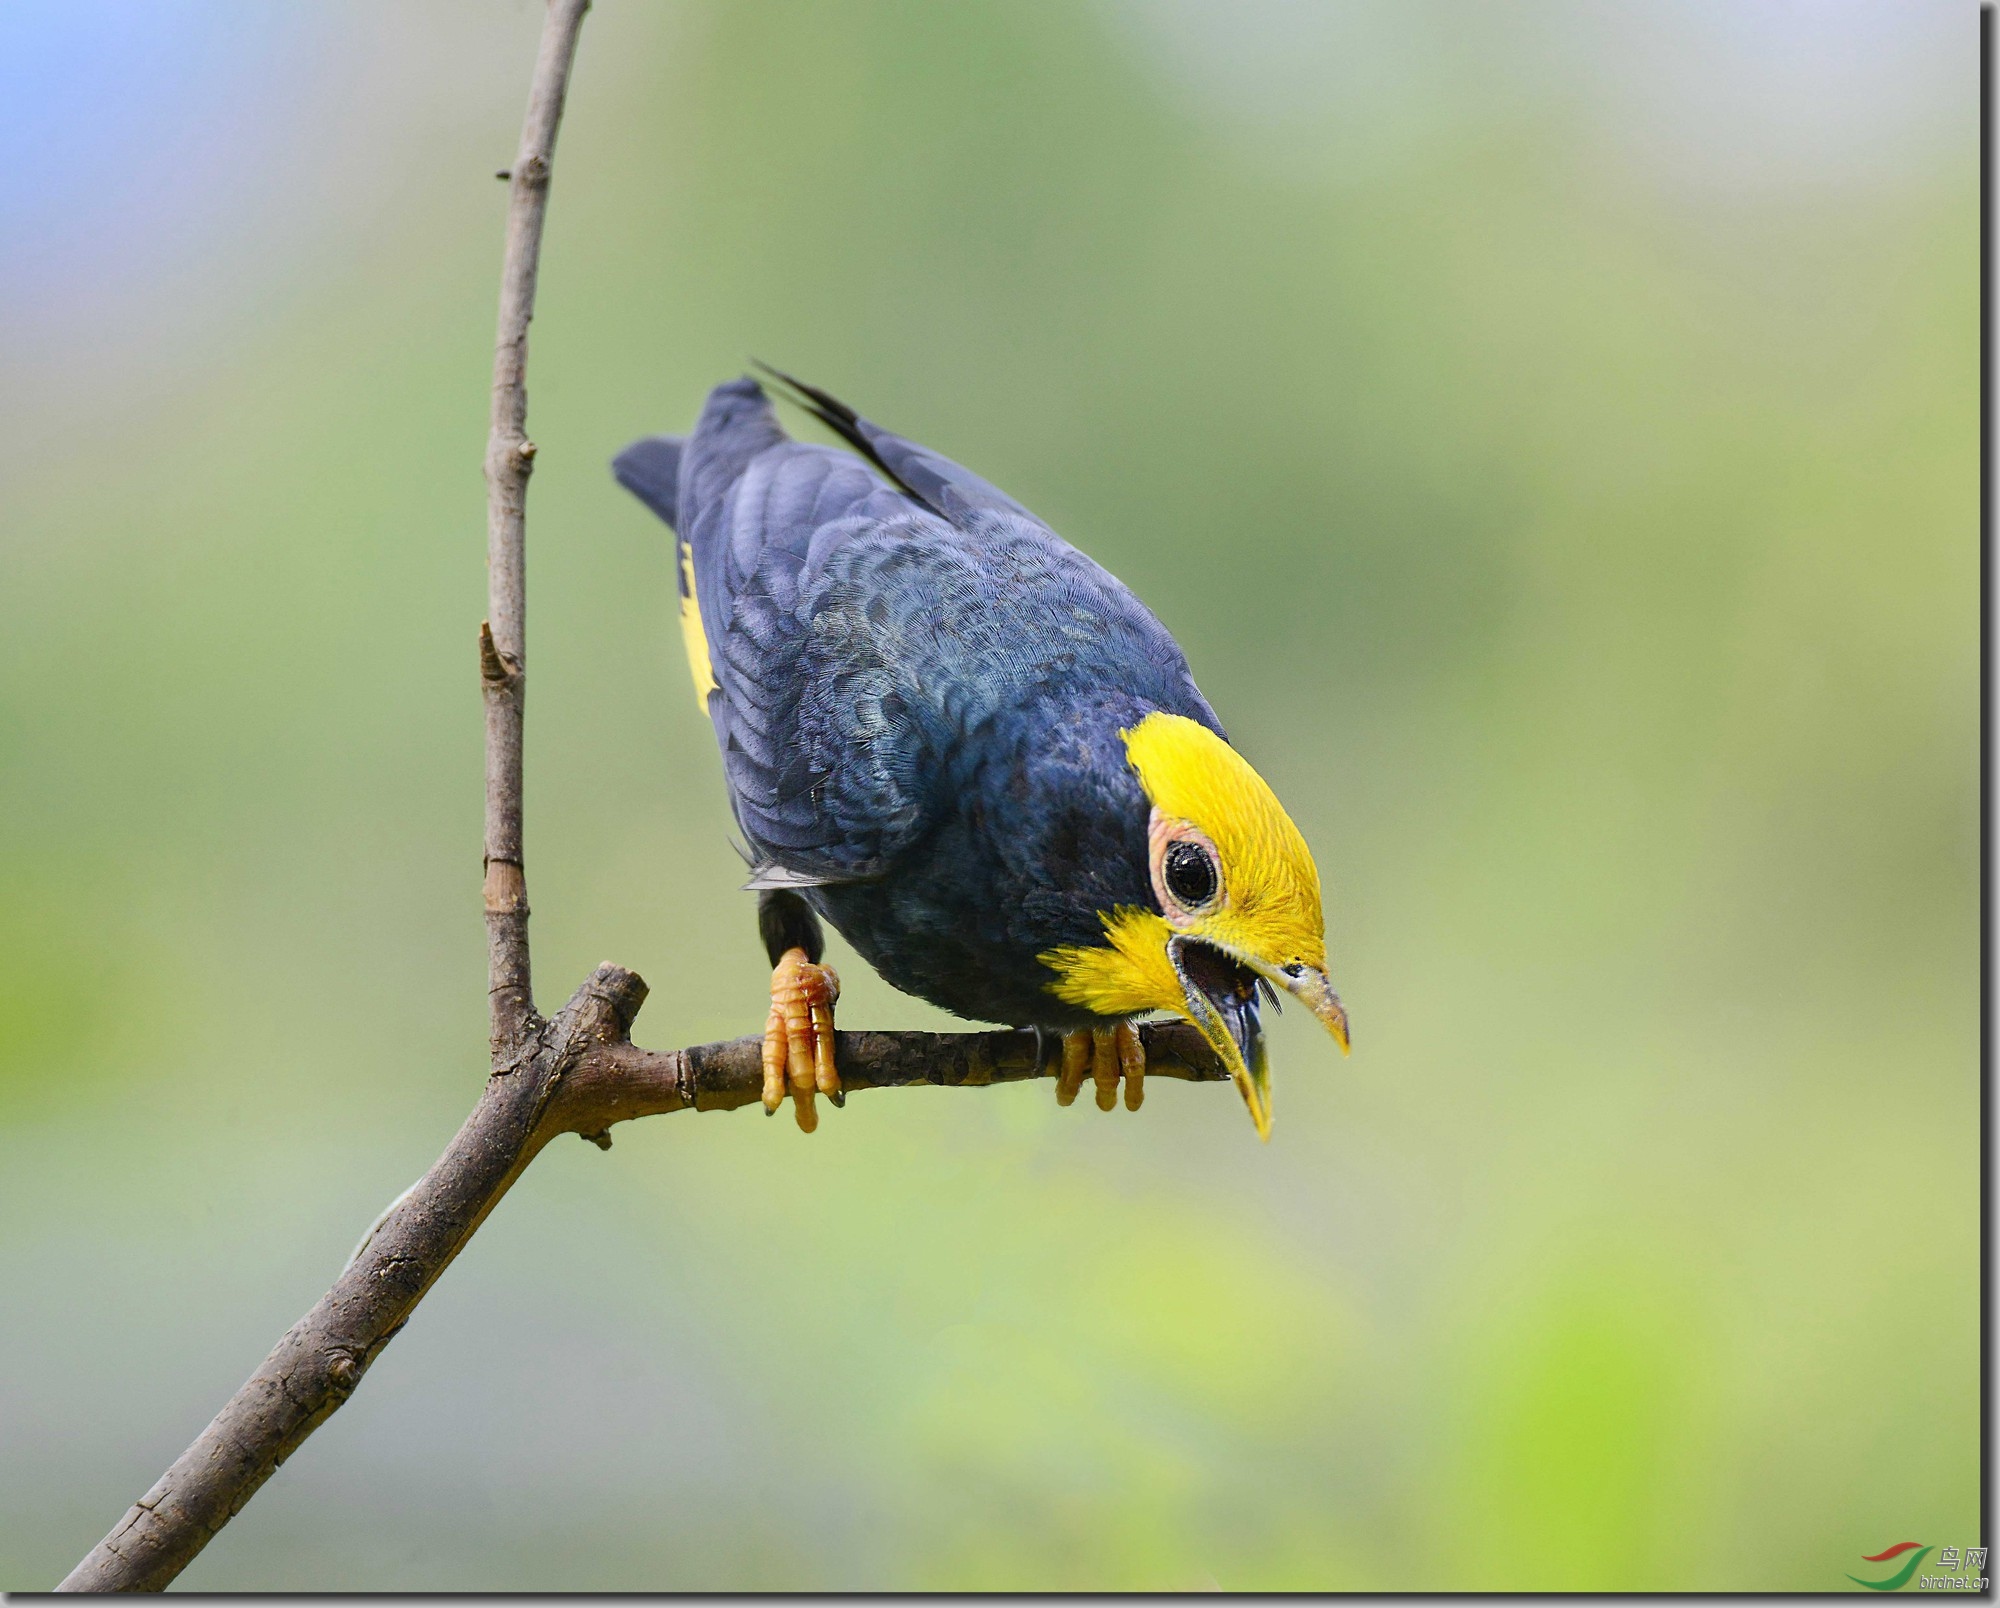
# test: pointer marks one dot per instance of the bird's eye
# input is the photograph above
(1190, 874)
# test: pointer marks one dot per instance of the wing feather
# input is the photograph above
(865, 620)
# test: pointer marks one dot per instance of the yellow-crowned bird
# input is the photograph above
(972, 750)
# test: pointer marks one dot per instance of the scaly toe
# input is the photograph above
(1104, 1055)
(774, 1060)
(1104, 1067)
(1075, 1062)
(799, 1038)
(1132, 1062)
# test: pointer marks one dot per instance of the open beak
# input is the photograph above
(1221, 1001)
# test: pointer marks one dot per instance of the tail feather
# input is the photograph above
(843, 421)
(947, 489)
(651, 470)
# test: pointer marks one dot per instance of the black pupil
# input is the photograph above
(1190, 874)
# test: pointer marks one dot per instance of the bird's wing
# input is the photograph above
(826, 786)
(844, 630)
(1126, 644)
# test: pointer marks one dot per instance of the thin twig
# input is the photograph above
(578, 1072)
(322, 1359)
(510, 458)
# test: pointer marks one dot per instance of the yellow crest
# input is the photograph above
(1268, 904)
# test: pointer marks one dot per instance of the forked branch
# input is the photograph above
(576, 1072)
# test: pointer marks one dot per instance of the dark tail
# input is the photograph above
(651, 471)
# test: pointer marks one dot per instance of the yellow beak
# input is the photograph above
(1220, 998)
(1219, 995)
(1315, 988)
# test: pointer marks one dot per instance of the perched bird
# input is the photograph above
(971, 749)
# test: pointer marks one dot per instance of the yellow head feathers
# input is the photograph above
(1265, 906)
(1267, 903)
(1236, 905)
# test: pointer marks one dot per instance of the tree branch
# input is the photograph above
(581, 1074)
(577, 1072)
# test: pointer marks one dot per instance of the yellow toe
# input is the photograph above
(799, 1038)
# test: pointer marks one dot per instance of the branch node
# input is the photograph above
(601, 1139)
(343, 1373)
(621, 992)
(321, 1360)
(495, 668)
(506, 888)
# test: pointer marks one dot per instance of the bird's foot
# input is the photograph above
(1106, 1054)
(798, 1038)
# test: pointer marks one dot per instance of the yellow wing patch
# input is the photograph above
(693, 637)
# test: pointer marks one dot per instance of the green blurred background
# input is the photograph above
(1551, 430)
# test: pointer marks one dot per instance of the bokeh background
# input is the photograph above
(1551, 429)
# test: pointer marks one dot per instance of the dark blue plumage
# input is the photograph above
(919, 693)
